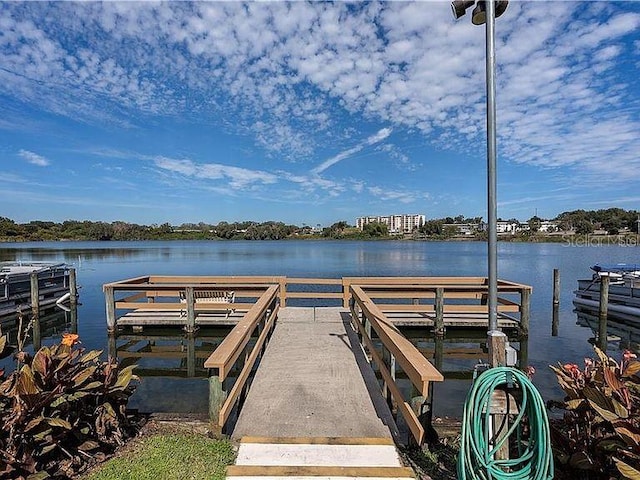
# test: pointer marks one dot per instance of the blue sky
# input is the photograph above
(312, 112)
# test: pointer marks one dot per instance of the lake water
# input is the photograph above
(529, 263)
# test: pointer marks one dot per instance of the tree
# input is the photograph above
(534, 223)
(375, 229)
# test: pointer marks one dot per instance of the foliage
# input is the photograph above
(599, 434)
(375, 229)
(169, 456)
(59, 409)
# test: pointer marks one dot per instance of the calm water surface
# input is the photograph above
(102, 262)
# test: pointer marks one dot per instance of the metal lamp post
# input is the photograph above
(485, 12)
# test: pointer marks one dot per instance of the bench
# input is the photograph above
(211, 296)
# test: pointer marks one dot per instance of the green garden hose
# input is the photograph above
(476, 457)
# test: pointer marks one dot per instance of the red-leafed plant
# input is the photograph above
(61, 409)
(599, 433)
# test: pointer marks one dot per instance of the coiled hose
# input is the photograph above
(476, 457)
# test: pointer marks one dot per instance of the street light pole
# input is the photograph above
(486, 11)
(492, 208)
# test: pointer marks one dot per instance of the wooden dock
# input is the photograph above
(295, 385)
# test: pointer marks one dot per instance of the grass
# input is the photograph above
(168, 456)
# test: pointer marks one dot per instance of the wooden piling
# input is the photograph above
(439, 310)
(217, 397)
(35, 295)
(602, 312)
(555, 321)
(497, 345)
(191, 312)
(73, 287)
(525, 310)
(110, 305)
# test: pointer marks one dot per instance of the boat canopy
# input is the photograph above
(616, 267)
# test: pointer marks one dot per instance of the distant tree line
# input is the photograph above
(611, 220)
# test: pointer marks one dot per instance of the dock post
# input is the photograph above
(602, 312)
(73, 287)
(217, 397)
(112, 346)
(555, 316)
(191, 313)
(191, 355)
(525, 310)
(439, 308)
(35, 295)
(497, 343)
(73, 314)
(37, 334)
(111, 308)
(556, 287)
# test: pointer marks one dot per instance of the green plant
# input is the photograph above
(61, 409)
(599, 433)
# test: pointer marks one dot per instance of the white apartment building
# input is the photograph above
(507, 227)
(401, 223)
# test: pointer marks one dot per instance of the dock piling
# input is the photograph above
(73, 287)
(602, 312)
(217, 397)
(556, 287)
(111, 308)
(35, 295)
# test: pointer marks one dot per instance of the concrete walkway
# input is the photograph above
(314, 409)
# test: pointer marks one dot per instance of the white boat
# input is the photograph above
(15, 284)
(624, 292)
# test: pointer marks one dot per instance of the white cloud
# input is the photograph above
(379, 136)
(237, 178)
(288, 74)
(34, 158)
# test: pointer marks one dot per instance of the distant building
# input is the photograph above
(464, 228)
(548, 227)
(402, 223)
(507, 227)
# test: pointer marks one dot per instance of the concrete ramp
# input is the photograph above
(314, 458)
(314, 409)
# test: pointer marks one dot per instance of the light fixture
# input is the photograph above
(458, 7)
(479, 15)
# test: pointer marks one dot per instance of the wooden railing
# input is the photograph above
(236, 348)
(434, 296)
(397, 352)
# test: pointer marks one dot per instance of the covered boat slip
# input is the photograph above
(623, 301)
(437, 302)
(28, 286)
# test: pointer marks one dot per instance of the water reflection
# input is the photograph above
(47, 328)
(620, 335)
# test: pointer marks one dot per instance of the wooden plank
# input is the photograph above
(314, 294)
(318, 471)
(134, 297)
(314, 281)
(231, 347)
(155, 279)
(319, 440)
(225, 411)
(417, 430)
(412, 362)
(135, 280)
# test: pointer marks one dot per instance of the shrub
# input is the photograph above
(599, 433)
(61, 410)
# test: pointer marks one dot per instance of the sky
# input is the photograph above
(313, 113)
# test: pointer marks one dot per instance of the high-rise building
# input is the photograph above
(400, 223)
